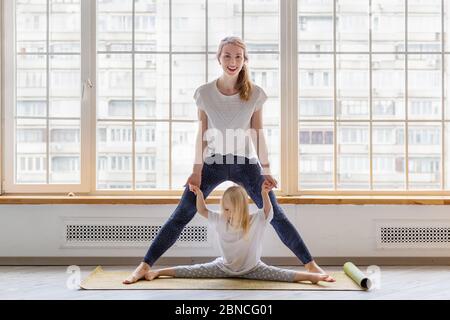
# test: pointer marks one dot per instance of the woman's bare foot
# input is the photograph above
(138, 274)
(151, 275)
(314, 268)
(316, 277)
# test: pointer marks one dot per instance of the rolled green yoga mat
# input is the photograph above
(357, 275)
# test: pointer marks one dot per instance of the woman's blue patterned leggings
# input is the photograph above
(240, 171)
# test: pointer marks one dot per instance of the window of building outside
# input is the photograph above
(386, 107)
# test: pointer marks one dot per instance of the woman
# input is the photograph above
(229, 105)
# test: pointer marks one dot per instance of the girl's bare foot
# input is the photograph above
(314, 268)
(151, 275)
(316, 277)
(138, 274)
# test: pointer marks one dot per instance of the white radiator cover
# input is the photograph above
(413, 234)
(86, 233)
(126, 231)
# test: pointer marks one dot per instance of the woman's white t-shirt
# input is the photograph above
(229, 119)
(239, 254)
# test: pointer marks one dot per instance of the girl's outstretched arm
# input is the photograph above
(267, 205)
(201, 205)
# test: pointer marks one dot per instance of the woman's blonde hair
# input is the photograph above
(237, 197)
(243, 83)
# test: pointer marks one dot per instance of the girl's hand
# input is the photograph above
(271, 180)
(196, 190)
(266, 187)
(194, 179)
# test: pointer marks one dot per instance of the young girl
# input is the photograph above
(231, 102)
(240, 236)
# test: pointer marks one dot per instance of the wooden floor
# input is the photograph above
(42, 283)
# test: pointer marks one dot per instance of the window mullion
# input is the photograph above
(9, 91)
(87, 74)
(406, 101)
(133, 95)
(1, 96)
(206, 40)
(443, 61)
(370, 101)
(47, 57)
(288, 98)
(170, 97)
(243, 20)
(335, 135)
(294, 129)
(91, 105)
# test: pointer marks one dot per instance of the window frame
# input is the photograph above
(2, 63)
(9, 89)
(443, 55)
(282, 5)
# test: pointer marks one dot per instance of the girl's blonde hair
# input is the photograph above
(237, 197)
(243, 83)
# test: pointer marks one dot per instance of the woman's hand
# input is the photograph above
(271, 180)
(194, 179)
(266, 187)
(196, 190)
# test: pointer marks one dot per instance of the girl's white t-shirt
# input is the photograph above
(239, 254)
(229, 119)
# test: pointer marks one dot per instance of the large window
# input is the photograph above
(99, 94)
(44, 127)
(372, 76)
(149, 58)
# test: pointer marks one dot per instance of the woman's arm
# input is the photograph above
(196, 177)
(259, 141)
(200, 144)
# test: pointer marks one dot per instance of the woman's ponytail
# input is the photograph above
(243, 84)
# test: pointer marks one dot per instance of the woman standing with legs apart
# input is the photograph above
(228, 106)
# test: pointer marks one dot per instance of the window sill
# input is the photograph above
(161, 200)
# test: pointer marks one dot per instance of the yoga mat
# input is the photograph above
(112, 280)
(357, 276)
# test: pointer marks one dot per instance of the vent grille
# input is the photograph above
(413, 235)
(129, 233)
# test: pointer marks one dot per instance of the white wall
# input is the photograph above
(329, 230)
